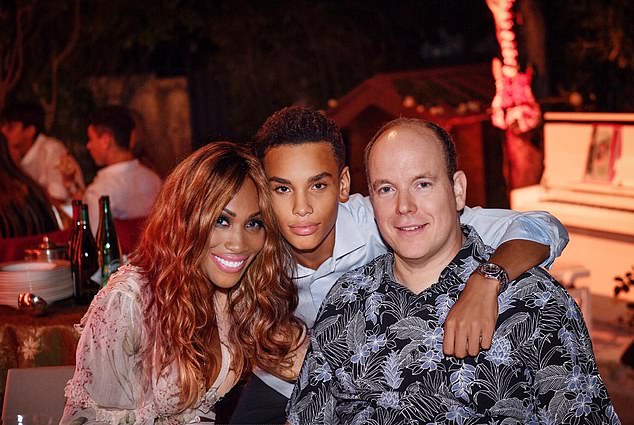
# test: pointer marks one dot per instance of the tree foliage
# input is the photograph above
(592, 52)
(261, 56)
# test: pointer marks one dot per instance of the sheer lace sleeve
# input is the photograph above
(106, 386)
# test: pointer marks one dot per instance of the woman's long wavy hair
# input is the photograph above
(24, 206)
(180, 328)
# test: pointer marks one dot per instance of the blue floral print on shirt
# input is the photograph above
(376, 354)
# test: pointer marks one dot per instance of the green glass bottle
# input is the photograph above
(85, 264)
(109, 250)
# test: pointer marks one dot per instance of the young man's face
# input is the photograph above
(19, 138)
(415, 203)
(306, 187)
(98, 142)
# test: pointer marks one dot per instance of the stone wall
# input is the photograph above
(162, 111)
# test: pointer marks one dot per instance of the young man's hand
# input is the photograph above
(471, 321)
(71, 176)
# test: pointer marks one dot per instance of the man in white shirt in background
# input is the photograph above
(131, 186)
(45, 159)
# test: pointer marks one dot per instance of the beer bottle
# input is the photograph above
(74, 231)
(108, 248)
(85, 263)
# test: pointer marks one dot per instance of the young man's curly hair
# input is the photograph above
(296, 125)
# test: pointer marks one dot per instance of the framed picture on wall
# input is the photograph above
(603, 152)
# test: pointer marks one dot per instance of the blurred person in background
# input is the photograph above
(205, 298)
(45, 159)
(131, 186)
(24, 207)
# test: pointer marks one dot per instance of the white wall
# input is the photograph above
(599, 215)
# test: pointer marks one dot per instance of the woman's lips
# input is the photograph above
(229, 265)
(306, 229)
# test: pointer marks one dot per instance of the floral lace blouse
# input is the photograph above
(106, 387)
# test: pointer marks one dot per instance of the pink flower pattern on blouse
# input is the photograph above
(107, 385)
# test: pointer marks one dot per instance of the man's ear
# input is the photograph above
(460, 189)
(107, 139)
(344, 184)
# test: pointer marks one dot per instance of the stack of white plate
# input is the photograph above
(49, 280)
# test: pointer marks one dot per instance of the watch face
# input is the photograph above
(493, 271)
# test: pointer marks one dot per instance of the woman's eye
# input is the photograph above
(255, 224)
(281, 189)
(222, 221)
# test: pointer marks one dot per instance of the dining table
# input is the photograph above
(47, 340)
(51, 339)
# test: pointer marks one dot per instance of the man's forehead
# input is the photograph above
(405, 140)
(417, 152)
(100, 130)
(297, 155)
(412, 131)
(12, 123)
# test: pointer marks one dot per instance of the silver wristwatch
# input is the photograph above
(493, 271)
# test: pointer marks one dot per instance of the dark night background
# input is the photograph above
(246, 59)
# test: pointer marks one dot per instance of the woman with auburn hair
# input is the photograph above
(24, 207)
(206, 297)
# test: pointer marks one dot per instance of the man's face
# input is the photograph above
(415, 203)
(98, 142)
(306, 187)
(19, 138)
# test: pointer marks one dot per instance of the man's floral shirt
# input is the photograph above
(376, 354)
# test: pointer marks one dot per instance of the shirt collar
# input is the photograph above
(118, 167)
(348, 235)
(472, 253)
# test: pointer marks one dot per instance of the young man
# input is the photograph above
(131, 186)
(45, 159)
(376, 348)
(332, 232)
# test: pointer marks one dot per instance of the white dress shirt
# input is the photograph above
(357, 242)
(131, 186)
